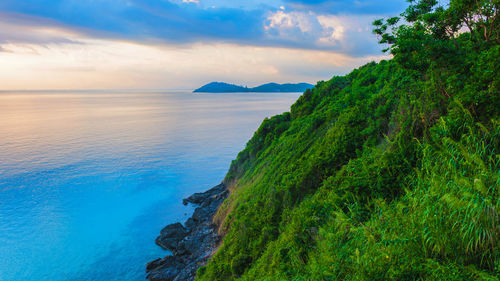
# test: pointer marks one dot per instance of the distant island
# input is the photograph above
(220, 87)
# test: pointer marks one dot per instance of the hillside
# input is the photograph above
(388, 173)
(220, 87)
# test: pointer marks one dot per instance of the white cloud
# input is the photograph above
(323, 31)
(299, 28)
(348, 34)
(334, 29)
(283, 21)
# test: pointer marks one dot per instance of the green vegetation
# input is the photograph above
(220, 87)
(388, 173)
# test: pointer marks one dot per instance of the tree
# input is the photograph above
(428, 26)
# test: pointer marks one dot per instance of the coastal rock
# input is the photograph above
(153, 264)
(171, 235)
(165, 269)
(191, 245)
(199, 198)
(200, 214)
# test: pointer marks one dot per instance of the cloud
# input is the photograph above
(145, 19)
(347, 34)
(294, 20)
(16, 28)
(297, 24)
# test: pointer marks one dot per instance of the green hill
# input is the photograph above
(220, 87)
(388, 173)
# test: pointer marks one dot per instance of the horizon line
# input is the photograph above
(95, 90)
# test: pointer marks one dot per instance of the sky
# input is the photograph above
(183, 44)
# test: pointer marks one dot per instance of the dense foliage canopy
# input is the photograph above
(388, 173)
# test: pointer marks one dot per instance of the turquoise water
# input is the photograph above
(88, 179)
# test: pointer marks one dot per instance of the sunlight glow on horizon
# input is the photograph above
(108, 64)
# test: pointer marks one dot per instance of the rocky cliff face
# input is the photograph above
(191, 244)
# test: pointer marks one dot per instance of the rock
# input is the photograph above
(199, 198)
(190, 223)
(173, 229)
(193, 245)
(200, 214)
(171, 235)
(196, 198)
(153, 264)
(164, 270)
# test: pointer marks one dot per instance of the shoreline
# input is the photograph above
(191, 244)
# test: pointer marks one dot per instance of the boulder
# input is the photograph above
(171, 235)
(199, 198)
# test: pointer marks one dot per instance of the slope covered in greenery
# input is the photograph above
(388, 173)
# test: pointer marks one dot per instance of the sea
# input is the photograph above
(89, 178)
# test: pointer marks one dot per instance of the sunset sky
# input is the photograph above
(172, 44)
